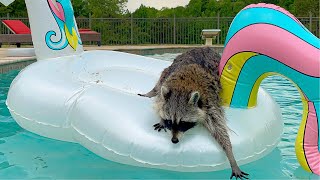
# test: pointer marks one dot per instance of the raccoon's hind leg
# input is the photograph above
(218, 129)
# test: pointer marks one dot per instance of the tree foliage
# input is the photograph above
(17, 8)
(228, 8)
(106, 8)
(195, 8)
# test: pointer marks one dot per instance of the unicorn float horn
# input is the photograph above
(53, 28)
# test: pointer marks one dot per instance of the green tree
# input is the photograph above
(238, 6)
(80, 8)
(212, 8)
(286, 4)
(303, 7)
(270, 1)
(106, 8)
(194, 8)
(145, 12)
(225, 8)
(17, 8)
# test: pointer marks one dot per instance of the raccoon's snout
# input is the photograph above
(174, 140)
(176, 135)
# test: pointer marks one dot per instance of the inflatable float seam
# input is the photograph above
(170, 165)
(136, 68)
(76, 95)
(112, 88)
(32, 120)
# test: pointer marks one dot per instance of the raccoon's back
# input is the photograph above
(206, 58)
(193, 77)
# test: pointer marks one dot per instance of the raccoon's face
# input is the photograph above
(179, 112)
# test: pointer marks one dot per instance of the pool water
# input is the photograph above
(24, 155)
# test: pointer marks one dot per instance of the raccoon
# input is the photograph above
(187, 94)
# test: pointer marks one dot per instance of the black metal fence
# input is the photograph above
(124, 31)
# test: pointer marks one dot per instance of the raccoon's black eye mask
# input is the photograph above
(168, 124)
(182, 126)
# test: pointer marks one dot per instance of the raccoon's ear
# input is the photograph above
(165, 92)
(194, 98)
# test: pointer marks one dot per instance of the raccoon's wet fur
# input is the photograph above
(187, 94)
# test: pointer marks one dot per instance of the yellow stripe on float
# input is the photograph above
(254, 92)
(230, 74)
(300, 136)
(72, 38)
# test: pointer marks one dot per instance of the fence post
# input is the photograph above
(174, 29)
(218, 27)
(310, 21)
(90, 21)
(131, 28)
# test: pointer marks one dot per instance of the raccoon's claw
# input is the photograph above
(158, 127)
(239, 174)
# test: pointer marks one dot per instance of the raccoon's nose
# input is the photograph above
(174, 140)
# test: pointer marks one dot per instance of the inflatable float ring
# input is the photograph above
(90, 97)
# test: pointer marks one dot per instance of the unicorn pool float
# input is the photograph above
(91, 97)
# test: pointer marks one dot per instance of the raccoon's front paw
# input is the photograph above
(237, 173)
(159, 126)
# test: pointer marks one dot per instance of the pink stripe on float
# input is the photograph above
(277, 43)
(310, 142)
(272, 6)
(59, 12)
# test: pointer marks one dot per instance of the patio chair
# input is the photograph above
(22, 34)
(89, 35)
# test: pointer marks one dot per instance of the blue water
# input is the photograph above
(24, 155)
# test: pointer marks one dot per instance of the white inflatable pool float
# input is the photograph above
(92, 100)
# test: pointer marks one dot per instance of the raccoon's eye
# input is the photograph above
(184, 126)
(168, 123)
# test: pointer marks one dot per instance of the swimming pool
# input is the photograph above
(26, 155)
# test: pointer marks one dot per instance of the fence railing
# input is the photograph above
(123, 31)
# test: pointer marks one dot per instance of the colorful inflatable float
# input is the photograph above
(264, 40)
(91, 97)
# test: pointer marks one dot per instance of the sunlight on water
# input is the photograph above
(26, 155)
